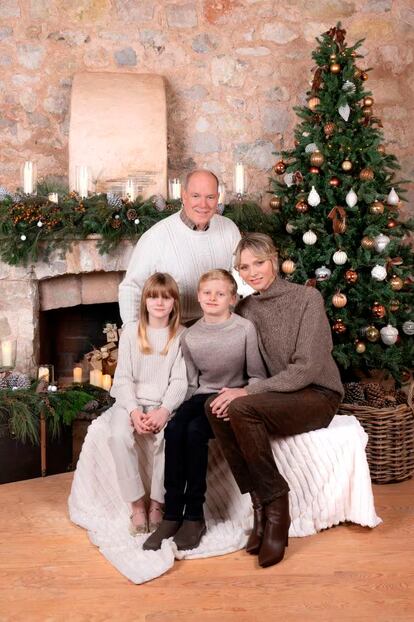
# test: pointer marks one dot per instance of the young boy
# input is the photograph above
(220, 350)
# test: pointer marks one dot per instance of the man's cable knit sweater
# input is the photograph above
(294, 338)
(171, 246)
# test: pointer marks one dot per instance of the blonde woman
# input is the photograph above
(150, 383)
(301, 393)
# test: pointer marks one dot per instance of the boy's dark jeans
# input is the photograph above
(186, 459)
(245, 440)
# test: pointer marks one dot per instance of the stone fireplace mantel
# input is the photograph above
(81, 276)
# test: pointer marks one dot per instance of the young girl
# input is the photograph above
(149, 384)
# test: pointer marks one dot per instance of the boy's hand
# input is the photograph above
(221, 403)
(156, 419)
(138, 422)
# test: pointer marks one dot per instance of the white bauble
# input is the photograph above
(313, 197)
(379, 273)
(393, 198)
(348, 87)
(323, 273)
(309, 237)
(344, 111)
(381, 242)
(351, 198)
(290, 228)
(288, 179)
(311, 148)
(39, 224)
(23, 237)
(408, 327)
(389, 335)
(340, 257)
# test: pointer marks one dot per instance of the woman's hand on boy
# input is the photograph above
(220, 404)
(157, 418)
(138, 422)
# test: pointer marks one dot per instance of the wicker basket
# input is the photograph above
(390, 448)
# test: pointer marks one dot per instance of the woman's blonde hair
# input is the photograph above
(260, 245)
(218, 274)
(158, 284)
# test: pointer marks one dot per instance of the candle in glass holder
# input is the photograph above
(175, 189)
(7, 353)
(43, 374)
(77, 374)
(29, 175)
(239, 178)
(82, 181)
(53, 197)
(106, 382)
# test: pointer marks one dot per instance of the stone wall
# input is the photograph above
(234, 69)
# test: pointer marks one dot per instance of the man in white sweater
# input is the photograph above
(186, 245)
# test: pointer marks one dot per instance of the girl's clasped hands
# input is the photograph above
(151, 422)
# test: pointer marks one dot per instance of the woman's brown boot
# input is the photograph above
(275, 537)
(256, 536)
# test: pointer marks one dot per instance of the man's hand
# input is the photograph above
(156, 419)
(138, 422)
(221, 403)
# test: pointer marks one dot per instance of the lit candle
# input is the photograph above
(82, 181)
(95, 377)
(53, 197)
(130, 190)
(175, 186)
(106, 382)
(43, 374)
(77, 374)
(28, 177)
(222, 194)
(239, 178)
(6, 353)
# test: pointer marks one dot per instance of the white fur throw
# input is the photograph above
(327, 473)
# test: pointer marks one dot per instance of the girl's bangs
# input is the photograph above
(160, 290)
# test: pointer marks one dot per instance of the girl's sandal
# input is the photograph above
(136, 529)
(155, 516)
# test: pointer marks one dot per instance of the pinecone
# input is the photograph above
(354, 393)
(16, 380)
(114, 200)
(4, 193)
(131, 214)
(159, 202)
(400, 397)
(115, 223)
(374, 394)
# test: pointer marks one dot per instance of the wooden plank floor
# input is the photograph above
(49, 570)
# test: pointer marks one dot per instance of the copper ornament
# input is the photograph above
(378, 310)
(377, 208)
(317, 158)
(280, 167)
(351, 277)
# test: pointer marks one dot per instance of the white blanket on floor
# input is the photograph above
(327, 473)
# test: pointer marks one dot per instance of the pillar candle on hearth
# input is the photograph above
(7, 353)
(77, 374)
(106, 382)
(95, 377)
(43, 374)
(239, 178)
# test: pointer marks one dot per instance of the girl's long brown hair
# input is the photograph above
(158, 284)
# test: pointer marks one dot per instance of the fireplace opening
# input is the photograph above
(66, 334)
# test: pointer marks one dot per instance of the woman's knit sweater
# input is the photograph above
(294, 338)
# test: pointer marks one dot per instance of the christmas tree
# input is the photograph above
(338, 204)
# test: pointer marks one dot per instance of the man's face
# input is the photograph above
(200, 199)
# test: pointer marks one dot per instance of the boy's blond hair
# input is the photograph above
(219, 275)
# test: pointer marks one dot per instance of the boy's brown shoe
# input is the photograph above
(189, 534)
(165, 530)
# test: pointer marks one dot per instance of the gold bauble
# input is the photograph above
(367, 243)
(360, 347)
(280, 167)
(317, 158)
(381, 149)
(372, 334)
(377, 208)
(288, 266)
(302, 206)
(378, 310)
(364, 76)
(339, 300)
(329, 128)
(346, 165)
(335, 68)
(332, 57)
(351, 276)
(396, 283)
(275, 202)
(391, 224)
(313, 102)
(366, 174)
(339, 327)
(368, 101)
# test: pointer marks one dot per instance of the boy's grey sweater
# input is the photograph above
(295, 338)
(221, 355)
